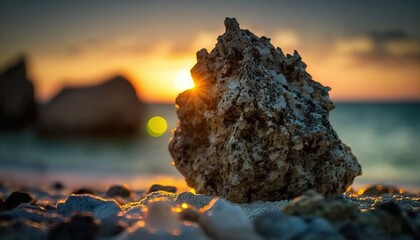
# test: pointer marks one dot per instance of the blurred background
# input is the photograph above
(78, 78)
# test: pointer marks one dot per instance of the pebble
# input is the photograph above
(161, 222)
(18, 229)
(275, 225)
(164, 215)
(378, 190)
(110, 227)
(158, 187)
(119, 191)
(224, 220)
(29, 214)
(319, 228)
(106, 209)
(196, 200)
(160, 215)
(58, 186)
(133, 214)
(350, 231)
(2, 205)
(191, 232)
(16, 198)
(189, 214)
(391, 207)
(320, 224)
(80, 226)
(100, 208)
(83, 191)
(313, 204)
(157, 195)
(183, 232)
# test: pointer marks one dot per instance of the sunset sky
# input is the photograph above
(363, 50)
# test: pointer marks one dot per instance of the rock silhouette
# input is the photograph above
(108, 109)
(17, 103)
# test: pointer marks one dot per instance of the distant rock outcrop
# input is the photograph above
(111, 108)
(17, 103)
(256, 125)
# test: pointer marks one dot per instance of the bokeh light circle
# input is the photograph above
(156, 126)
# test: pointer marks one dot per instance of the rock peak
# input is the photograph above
(17, 66)
(231, 25)
(17, 105)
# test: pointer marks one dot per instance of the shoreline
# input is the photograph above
(120, 213)
(102, 179)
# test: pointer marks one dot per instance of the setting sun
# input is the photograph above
(183, 80)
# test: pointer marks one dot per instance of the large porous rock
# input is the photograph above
(17, 103)
(255, 127)
(110, 108)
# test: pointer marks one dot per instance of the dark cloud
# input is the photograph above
(73, 51)
(391, 45)
(107, 46)
(388, 35)
(127, 47)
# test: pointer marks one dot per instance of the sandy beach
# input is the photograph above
(59, 212)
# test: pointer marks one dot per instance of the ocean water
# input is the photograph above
(385, 137)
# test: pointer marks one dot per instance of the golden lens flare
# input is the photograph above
(183, 80)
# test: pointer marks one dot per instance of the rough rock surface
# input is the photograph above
(17, 103)
(111, 108)
(255, 127)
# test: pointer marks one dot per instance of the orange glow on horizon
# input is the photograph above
(146, 182)
(160, 73)
(163, 77)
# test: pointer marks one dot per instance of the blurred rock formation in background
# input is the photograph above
(17, 103)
